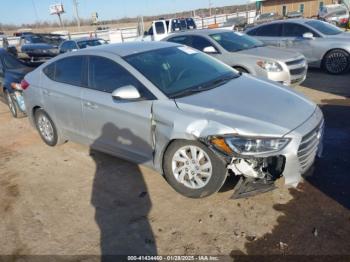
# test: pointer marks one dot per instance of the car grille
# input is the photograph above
(308, 147)
(298, 71)
(295, 62)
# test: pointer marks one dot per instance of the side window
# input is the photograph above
(295, 30)
(272, 30)
(253, 31)
(159, 28)
(106, 75)
(69, 70)
(180, 40)
(69, 45)
(200, 43)
(49, 71)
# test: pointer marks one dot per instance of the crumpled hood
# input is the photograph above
(269, 52)
(250, 106)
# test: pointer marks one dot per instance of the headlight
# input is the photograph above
(249, 145)
(269, 66)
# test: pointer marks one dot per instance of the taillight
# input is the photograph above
(24, 84)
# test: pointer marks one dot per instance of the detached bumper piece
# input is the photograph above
(247, 187)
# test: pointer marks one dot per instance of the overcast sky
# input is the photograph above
(28, 11)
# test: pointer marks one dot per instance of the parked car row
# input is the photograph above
(198, 106)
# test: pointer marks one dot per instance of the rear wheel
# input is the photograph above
(193, 170)
(46, 127)
(336, 62)
(13, 106)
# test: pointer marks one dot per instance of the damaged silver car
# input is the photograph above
(178, 110)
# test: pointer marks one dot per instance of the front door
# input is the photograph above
(118, 127)
(293, 39)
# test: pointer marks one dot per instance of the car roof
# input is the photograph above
(200, 32)
(84, 39)
(129, 48)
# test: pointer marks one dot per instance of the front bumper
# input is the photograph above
(306, 144)
(293, 73)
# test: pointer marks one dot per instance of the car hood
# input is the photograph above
(269, 52)
(251, 106)
(344, 35)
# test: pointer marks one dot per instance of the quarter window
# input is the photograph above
(49, 71)
(69, 70)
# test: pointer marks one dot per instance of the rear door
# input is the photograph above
(119, 127)
(270, 34)
(62, 83)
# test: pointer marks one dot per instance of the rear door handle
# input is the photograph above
(46, 92)
(90, 105)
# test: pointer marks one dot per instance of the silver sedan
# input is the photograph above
(173, 108)
(246, 54)
(324, 45)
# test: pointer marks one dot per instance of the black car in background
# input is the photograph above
(12, 72)
(40, 47)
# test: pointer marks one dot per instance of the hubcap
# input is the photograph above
(45, 128)
(336, 62)
(192, 167)
(10, 104)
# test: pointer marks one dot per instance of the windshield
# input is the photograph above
(12, 63)
(87, 43)
(180, 71)
(234, 42)
(324, 28)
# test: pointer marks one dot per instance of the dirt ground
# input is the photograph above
(72, 200)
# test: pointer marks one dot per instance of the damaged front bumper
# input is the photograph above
(291, 162)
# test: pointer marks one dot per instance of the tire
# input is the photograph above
(46, 127)
(184, 177)
(13, 105)
(336, 62)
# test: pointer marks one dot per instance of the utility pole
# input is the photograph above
(75, 5)
(209, 7)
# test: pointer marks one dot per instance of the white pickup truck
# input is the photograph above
(163, 27)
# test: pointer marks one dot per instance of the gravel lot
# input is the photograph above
(71, 200)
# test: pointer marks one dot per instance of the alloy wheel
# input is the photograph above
(336, 62)
(45, 128)
(192, 167)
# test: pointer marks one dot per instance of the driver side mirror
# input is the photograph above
(209, 50)
(128, 92)
(308, 35)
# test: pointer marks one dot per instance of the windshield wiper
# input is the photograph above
(204, 87)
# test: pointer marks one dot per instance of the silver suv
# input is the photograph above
(246, 54)
(324, 45)
(178, 110)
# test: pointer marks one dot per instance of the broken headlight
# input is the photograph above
(269, 66)
(249, 145)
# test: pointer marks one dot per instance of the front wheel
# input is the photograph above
(192, 169)
(336, 62)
